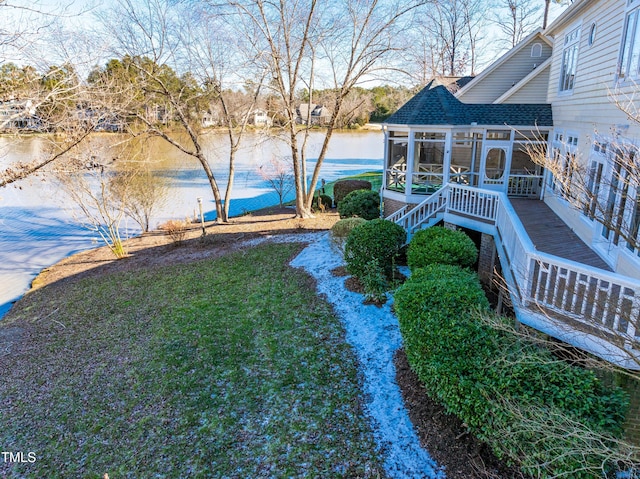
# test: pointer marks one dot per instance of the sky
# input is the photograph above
(64, 31)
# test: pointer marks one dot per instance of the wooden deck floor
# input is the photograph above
(550, 234)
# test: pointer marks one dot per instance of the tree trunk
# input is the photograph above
(232, 174)
(545, 19)
(220, 213)
(302, 211)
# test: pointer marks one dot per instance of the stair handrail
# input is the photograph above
(422, 212)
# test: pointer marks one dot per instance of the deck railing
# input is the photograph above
(544, 284)
(524, 185)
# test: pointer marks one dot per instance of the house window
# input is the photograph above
(556, 155)
(536, 50)
(568, 170)
(569, 60)
(630, 53)
(594, 180)
(612, 225)
(563, 164)
(633, 242)
(592, 34)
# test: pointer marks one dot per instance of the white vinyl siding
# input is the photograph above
(590, 105)
(535, 91)
(506, 75)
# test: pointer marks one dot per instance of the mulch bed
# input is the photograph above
(444, 435)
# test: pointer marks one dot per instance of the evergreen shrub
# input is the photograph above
(362, 203)
(342, 188)
(530, 407)
(439, 245)
(374, 282)
(379, 240)
(341, 229)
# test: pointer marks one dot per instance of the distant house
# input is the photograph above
(471, 157)
(159, 114)
(18, 115)
(260, 117)
(319, 115)
(210, 118)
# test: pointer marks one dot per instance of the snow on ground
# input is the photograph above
(374, 334)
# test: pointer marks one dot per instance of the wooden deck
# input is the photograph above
(551, 235)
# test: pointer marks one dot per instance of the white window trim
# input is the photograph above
(565, 46)
(536, 50)
(565, 142)
(632, 77)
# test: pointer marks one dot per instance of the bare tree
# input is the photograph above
(517, 18)
(447, 24)
(44, 96)
(161, 39)
(303, 43)
(135, 185)
(95, 203)
(279, 174)
(475, 19)
(53, 100)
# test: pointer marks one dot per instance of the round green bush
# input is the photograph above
(376, 240)
(340, 231)
(441, 246)
(342, 188)
(362, 203)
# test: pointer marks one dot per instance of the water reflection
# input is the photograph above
(37, 228)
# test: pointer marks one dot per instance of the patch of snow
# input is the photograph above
(374, 334)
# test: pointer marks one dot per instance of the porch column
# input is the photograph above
(446, 161)
(410, 158)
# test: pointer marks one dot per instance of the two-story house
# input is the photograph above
(538, 154)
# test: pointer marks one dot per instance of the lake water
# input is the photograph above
(37, 228)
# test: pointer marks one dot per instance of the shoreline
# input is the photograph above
(155, 247)
(40, 279)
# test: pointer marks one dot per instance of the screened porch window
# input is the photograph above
(525, 174)
(428, 164)
(466, 153)
(397, 163)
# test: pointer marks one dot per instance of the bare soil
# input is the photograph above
(443, 435)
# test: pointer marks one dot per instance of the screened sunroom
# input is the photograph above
(435, 139)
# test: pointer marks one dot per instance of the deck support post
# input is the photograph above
(486, 259)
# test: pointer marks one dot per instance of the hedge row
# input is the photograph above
(531, 408)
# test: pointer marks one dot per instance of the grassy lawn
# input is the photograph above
(223, 368)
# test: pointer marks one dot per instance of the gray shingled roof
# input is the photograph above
(435, 105)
